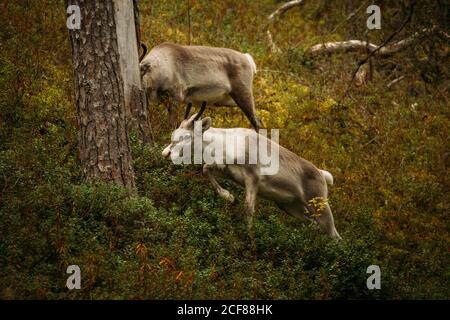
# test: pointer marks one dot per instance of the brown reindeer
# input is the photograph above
(197, 74)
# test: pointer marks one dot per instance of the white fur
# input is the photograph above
(328, 177)
(252, 62)
(285, 187)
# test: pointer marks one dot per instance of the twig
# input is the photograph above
(390, 84)
(388, 39)
(358, 45)
(282, 10)
(275, 15)
(370, 60)
(350, 16)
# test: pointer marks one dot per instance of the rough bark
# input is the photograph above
(99, 92)
(137, 22)
(139, 108)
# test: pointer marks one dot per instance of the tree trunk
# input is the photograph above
(128, 40)
(99, 92)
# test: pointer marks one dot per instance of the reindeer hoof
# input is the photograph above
(227, 196)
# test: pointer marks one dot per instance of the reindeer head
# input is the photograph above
(183, 137)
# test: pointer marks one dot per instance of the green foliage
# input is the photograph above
(187, 248)
(175, 238)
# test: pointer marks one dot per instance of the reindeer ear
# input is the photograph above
(206, 123)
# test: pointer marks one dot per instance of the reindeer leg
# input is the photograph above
(326, 223)
(323, 217)
(244, 99)
(188, 110)
(296, 210)
(251, 190)
(208, 170)
(202, 109)
(251, 182)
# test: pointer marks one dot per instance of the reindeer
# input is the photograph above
(297, 187)
(197, 74)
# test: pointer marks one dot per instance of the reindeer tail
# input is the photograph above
(328, 177)
(251, 61)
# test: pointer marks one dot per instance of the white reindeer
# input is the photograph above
(298, 187)
(197, 74)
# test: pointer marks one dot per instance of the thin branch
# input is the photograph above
(370, 60)
(390, 84)
(282, 10)
(340, 46)
(385, 42)
(274, 16)
(359, 45)
(350, 16)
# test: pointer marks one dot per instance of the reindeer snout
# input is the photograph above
(166, 153)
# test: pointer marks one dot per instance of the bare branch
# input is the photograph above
(275, 15)
(358, 45)
(351, 15)
(402, 44)
(390, 84)
(385, 42)
(282, 10)
(340, 46)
